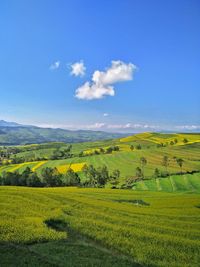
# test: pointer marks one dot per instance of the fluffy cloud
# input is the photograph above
(132, 126)
(188, 127)
(105, 114)
(55, 65)
(93, 91)
(96, 125)
(102, 81)
(78, 69)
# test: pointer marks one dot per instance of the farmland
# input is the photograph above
(126, 160)
(156, 222)
(117, 227)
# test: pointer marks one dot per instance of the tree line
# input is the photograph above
(50, 177)
(140, 170)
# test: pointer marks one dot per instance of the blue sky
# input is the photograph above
(156, 43)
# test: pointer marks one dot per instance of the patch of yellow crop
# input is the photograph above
(17, 166)
(135, 137)
(124, 147)
(38, 165)
(76, 167)
(89, 151)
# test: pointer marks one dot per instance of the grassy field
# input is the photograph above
(98, 227)
(125, 159)
(173, 183)
(156, 223)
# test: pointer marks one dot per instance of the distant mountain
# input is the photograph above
(12, 133)
(9, 124)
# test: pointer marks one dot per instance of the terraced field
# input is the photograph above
(117, 227)
(174, 183)
(163, 138)
(125, 160)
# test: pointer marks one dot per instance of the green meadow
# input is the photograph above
(126, 160)
(91, 227)
(155, 223)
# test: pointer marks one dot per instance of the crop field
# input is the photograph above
(117, 227)
(125, 160)
(162, 138)
(173, 183)
(155, 223)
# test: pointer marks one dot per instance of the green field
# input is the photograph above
(98, 227)
(125, 159)
(173, 183)
(155, 223)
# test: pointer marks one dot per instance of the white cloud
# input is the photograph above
(188, 127)
(55, 65)
(118, 72)
(78, 69)
(96, 125)
(105, 114)
(119, 126)
(102, 81)
(132, 126)
(93, 91)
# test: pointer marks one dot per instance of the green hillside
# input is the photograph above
(154, 223)
(88, 227)
(126, 160)
(18, 135)
(173, 183)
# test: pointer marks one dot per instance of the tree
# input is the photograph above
(130, 182)
(115, 148)
(102, 151)
(96, 177)
(180, 163)
(71, 178)
(143, 162)
(25, 175)
(96, 152)
(116, 174)
(33, 180)
(102, 176)
(109, 150)
(138, 147)
(165, 162)
(171, 143)
(175, 140)
(51, 177)
(91, 174)
(81, 154)
(132, 147)
(114, 178)
(85, 168)
(185, 140)
(139, 173)
(56, 154)
(156, 172)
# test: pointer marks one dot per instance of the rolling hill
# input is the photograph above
(126, 160)
(154, 223)
(15, 134)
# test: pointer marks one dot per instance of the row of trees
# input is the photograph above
(58, 153)
(50, 177)
(172, 142)
(138, 147)
(101, 150)
(140, 171)
(100, 176)
(62, 153)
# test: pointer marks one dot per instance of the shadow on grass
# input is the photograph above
(84, 251)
